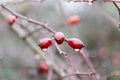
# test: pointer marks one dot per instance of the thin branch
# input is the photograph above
(95, 0)
(22, 1)
(118, 10)
(45, 26)
(102, 12)
(59, 49)
(84, 0)
(89, 63)
(79, 73)
(112, 1)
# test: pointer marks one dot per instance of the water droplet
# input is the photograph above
(60, 52)
(77, 50)
(90, 3)
(44, 49)
(65, 55)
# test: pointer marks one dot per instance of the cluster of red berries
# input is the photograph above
(59, 38)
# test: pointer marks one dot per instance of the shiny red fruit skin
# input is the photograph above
(75, 43)
(59, 37)
(74, 20)
(44, 67)
(12, 19)
(45, 43)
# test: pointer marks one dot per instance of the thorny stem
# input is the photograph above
(45, 26)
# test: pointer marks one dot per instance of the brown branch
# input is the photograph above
(118, 11)
(59, 49)
(103, 13)
(112, 1)
(95, 0)
(43, 25)
(89, 63)
(84, 0)
(22, 1)
(79, 73)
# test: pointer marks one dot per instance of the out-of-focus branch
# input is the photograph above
(32, 32)
(22, 1)
(79, 73)
(112, 1)
(45, 26)
(89, 64)
(95, 0)
(102, 12)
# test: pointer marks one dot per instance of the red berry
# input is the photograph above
(44, 67)
(75, 43)
(12, 19)
(59, 37)
(74, 20)
(45, 43)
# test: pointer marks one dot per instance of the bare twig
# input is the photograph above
(79, 73)
(95, 0)
(22, 1)
(89, 63)
(45, 26)
(112, 1)
(58, 48)
(118, 10)
(102, 12)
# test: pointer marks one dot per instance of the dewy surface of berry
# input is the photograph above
(75, 43)
(45, 43)
(59, 37)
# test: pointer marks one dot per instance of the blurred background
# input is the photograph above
(96, 28)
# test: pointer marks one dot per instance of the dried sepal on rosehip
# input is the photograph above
(43, 67)
(45, 43)
(73, 20)
(75, 43)
(12, 19)
(59, 37)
